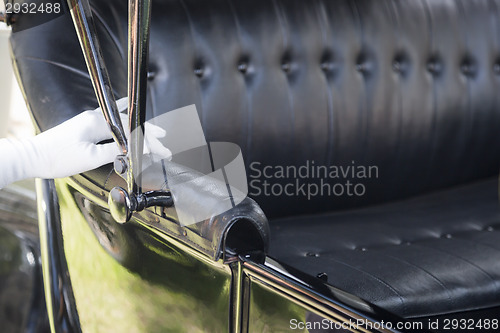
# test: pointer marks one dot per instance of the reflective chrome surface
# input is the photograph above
(85, 29)
(279, 293)
(61, 308)
(138, 47)
(120, 205)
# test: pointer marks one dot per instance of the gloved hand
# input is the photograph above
(69, 148)
(152, 144)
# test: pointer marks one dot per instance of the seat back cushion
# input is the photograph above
(400, 96)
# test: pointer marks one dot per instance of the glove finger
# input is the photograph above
(154, 146)
(157, 158)
(122, 104)
(150, 129)
(154, 130)
(93, 127)
(100, 133)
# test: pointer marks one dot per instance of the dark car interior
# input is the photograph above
(411, 88)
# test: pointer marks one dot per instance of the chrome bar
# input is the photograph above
(305, 296)
(59, 298)
(138, 48)
(86, 31)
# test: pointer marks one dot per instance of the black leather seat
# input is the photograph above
(430, 255)
(408, 86)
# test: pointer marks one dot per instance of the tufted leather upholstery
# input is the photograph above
(416, 257)
(403, 85)
(408, 86)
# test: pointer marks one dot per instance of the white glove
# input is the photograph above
(152, 144)
(69, 148)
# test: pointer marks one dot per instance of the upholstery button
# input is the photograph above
(447, 236)
(323, 276)
(400, 63)
(286, 61)
(199, 68)
(468, 67)
(327, 66)
(286, 67)
(407, 243)
(434, 66)
(362, 67)
(151, 75)
(496, 68)
(311, 254)
(199, 71)
(327, 63)
(363, 64)
(397, 66)
(490, 229)
(243, 67)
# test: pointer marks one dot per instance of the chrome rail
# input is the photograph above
(123, 203)
(139, 21)
(86, 31)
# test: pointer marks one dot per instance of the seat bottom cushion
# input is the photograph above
(431, 255)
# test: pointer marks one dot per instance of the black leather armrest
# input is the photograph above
(243, 227)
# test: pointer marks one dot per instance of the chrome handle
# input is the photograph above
(122, 204)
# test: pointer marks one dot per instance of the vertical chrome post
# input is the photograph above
(85, 29)
(139, 22)
(122, 202)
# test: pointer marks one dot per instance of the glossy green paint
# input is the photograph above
(126, 278)
(270, 311)
(135, 277)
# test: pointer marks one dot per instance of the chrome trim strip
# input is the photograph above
(304, 295)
